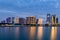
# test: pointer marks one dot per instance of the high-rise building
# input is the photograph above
(53, 19)
(8, 20)
(22, 21)
(12, 19)
(56, 20)
(16, 20)
(37, 21)
(48, 18)
(3, 21)
(40, 21)
(31, 20)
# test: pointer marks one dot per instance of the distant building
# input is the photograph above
(37, 21)
(3, 21)
(16, 20)
(22, 21)
(40, 21)
(48, 18)
(10, 20)
(56, 20)
(53, 19)
(31, 20)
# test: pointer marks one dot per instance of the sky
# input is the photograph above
(23, 8)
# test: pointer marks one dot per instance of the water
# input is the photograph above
(30, 33)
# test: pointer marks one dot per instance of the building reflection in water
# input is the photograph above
(17, 32)
(40, 30)
(32, 32)
(58, 33)
(53, 33)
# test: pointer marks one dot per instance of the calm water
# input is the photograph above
(29, 33)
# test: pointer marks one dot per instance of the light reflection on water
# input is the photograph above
(40, 33)
(53, 33)
(32, 32)
(29, 33)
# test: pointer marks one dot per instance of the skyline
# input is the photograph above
(44, 17)
(49, 19)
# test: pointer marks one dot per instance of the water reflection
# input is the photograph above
(46, 33)
(17, 33)
(40, 33)
(24, 33)
(30, 33)
(53, 33)
(58, 33)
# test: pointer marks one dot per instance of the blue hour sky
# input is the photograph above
(23, 8)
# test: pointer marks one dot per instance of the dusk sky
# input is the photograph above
(23, 8)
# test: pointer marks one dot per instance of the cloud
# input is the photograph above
(14, 13)
(57, 5)
(6, 11)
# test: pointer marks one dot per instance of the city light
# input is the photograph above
(51, 20)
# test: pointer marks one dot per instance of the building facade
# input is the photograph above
(48, 18)
(16, 20)
(31, 20)
(22, 21)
